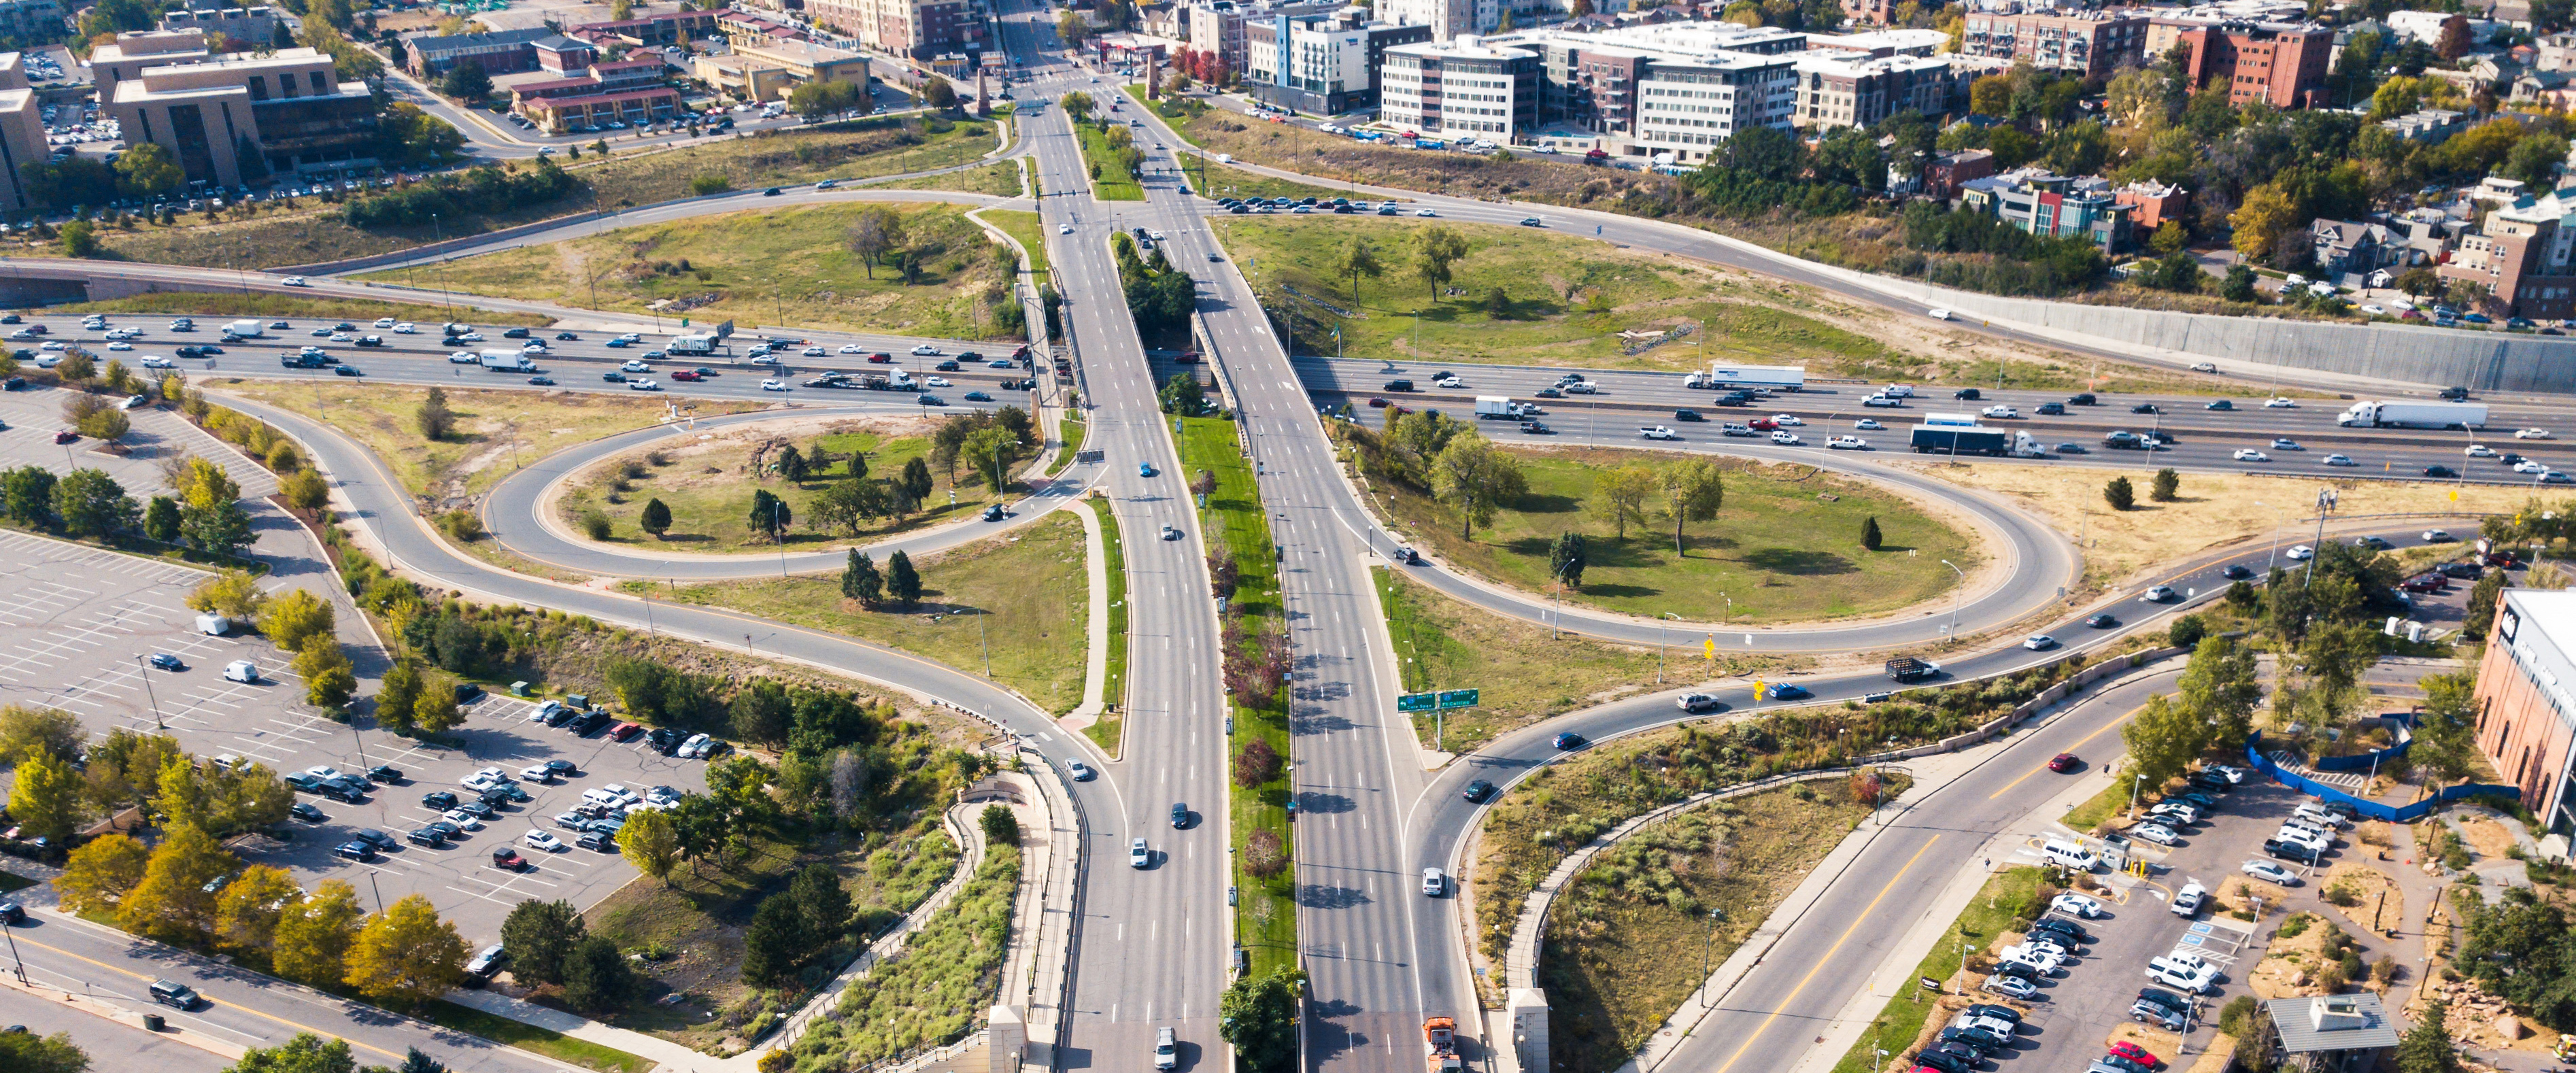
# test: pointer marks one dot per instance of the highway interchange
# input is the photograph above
(1154, 942)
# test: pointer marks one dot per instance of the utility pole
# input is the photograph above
(2326, 500)
(157, 724)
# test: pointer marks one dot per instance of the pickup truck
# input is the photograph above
(1655, 432)
(1910, 669)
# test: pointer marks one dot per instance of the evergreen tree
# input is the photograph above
(775, 944)
(538, 936)
(901, 582)
(596, 978)
(161, 520)
(1566, 559)
(818, 893)
(2120, 494)
(791, 463)
(2167, 484)
(656, 518)
(2426, 1048)
(1869, 537)
(916, 479)
(860, 580)
(770, 515)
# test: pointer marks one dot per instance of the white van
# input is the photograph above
(2182, 978)
(2068, 855)
(214, 625)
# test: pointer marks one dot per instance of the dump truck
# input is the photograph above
(1440, 1046)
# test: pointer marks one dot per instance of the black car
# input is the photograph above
(2211, 780)
(596, 841)
(2102, 621)
(1478, 790)
(12, 913)
(2463, 571)
(306, 812)
(771, 192)
(613, 376)
(542, 381)
(1687, 415)
(2440, 471)
(2236, 572)
(2167, 999)
(1944, 1061)
(2052, 408)
(480, 810)
(376, 838)
(347, 370)
(2145, 408)
(2015, 968)
(1180, 815)
(1968, 394)
(441, 800)
(446, 829)
(503, 794)
(2072, 931)
(2289, 851)
(356, 851)
(385, 773)
(515, 333)
(1976, 1038)
(560, 716)
(434, 839)
(663, 739)
(566, 337)
(562, 768)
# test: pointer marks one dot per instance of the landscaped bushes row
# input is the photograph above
(483, 190)
(936, 990)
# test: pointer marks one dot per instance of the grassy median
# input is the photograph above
(1106, 731)
(1110, 181)
(1031, 233)
(1236, 527)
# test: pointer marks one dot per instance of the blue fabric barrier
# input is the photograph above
(2409, 813)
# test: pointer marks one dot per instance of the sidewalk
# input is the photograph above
(1042, 928)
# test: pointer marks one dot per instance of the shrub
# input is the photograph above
(2120, 494)
(595, 525)
(461, 525)
(1265, 854)
(709, 183)
(1001, 828)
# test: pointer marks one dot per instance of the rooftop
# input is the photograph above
(2313, 1023)
(431, 43)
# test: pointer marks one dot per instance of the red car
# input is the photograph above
(881, 359)
(508, 859)
(623, 731)
(685, 375)
(2421, 583)
(65, 436)
(2135, 1053)
(2064, 762)
(1377, 402)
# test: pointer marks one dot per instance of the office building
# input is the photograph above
(2526, 701)
(564, 55)
(805, 61)
(600, 111)
(1842, 90)
(1462, 89)
(1216, 29)
(500, 52)
(650, 31)
(741, 79)
(32, 20)
(1666, 92)
(2051, 205)
(287, 108)
(1319, 64)
(2279, 63)
(2091, 44)
(256, 26)
(912, 29)
(22, 132)
(134, 51)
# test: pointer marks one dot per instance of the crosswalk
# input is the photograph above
(2295, 764)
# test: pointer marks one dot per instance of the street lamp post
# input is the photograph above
(1958, 597)
(1663, 642)
(157, 724)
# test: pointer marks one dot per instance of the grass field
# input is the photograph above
(544, 1041)
(1617, 958)
(269, 306)
(709, 510)
(1213, 180)
(496, 431)
(1031, 233)
(2013, 895)
(1022, 601)
(1784, 548)
(1107, 731)
(1114, 182)
(1522, 674)
(1071, 433)
(937, 988)
(999, 180)
(2210, 510)
(791, 266)
(1266, 921)
(310, 231)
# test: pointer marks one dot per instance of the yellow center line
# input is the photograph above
(2106, 728)
(324, 1033)
(1803, 981)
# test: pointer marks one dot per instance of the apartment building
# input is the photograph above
(228, 121)
(2091, 44)
(1319, 64)
(2151, 203)
(1881, 43)
(2526, 701)
(22, 131)
(913, 29)
(135, 51)
(650, 31)
(1462, 89)
(1844, 90)
(2283, 64)
(1216, 29)
(2056, 206)
(2525, 258)
(500, 52)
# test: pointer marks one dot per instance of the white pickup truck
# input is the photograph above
(1655, 432)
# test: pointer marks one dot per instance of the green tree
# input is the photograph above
(902, 582)
(434, 710)
(776, 943)
(107, 424)
(650, 842)
(1869, 535)
(406, 955)
(1358, 259)
(2218, 687)
(1258, 1015)
(306, 1053)
(656, 518)
(597, 978)
(161, 520)
(1565, 560)
(1001, 827)
(817, 892)
(2169, 238)
(397, 696)
(937, 93)
(2163, 738)
(2446, 732)
(916, 479)
(98, 876)
(293, 616)
(27, 494)
(49, 799)
(1693, 491)
(434, 420)
(761, 711)
(305, 489)
(2119, 494)
(860, 580)
(1475, 477)
(1619, 497)
(211, 517)
(2167, 484)
(466, 82)
(991, 452)
(79, 238)
(27, 733)
(27, 1052)
(538, 936)
(2239, 284)
(2480, 619)
(1434, 250)
(146, 169)
(1183, 394)
(248, 908)
(92, 504)
(314, 935)
(770, 515)
(2426, 1048)
(172, 903)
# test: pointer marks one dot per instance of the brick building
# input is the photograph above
(2282, 64)
(2526, 701)
(2151, 203)
(502, 52)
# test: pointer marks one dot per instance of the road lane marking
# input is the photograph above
(211, 1002)
(2106, 728)
(1819, 966)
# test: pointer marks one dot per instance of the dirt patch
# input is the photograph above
(2486, 838)
(2368, 897)
(2481, 1021)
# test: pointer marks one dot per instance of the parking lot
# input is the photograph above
(77, 626)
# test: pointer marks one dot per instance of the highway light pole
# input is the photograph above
(1958, 597)
(157, 724)
(1663, 642)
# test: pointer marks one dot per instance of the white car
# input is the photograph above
(1882, 400)
(2000, 411)
(2374, 311)
(1137, 855)
(2039, 642)
(1433, 883)
(2269, 872)
(537, 773)
(2335, 460)
(1426, 212)
(51, 344)
(693, 748)
(2531, 465)
(132, 401)
(543, 841)
(764, 359)
(1869, 424)
(2531, 434)
(642, 385)
(936, 381)
(2204, 366)
(2284, 443)
(464, 819)
(925, 349)
(2013, 987)
(2157, 594)
(2437, 536)
(406, 328)
(813, 352)
(2299, 553)
(773, 384)
(2077, 904)
(2479, 450)
(1786, 420)
(155, 361)
(2047, 961)
(462, 357)
(1655, 432)
(1064, 229)
(2230, 772)
(2248, 454)
(2156, 833)
(1847, 443)
(851, 348)
(631, 366)
(385, 322)
(295, 281)
(2279, 402)
(241, 670)
(2323, 820)
(120, 345)
(1786, 438)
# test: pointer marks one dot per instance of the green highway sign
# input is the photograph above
(1457, 698)
(1416, 702)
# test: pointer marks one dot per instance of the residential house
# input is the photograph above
(2352, 247)
(2151, 203)
(2057, 206)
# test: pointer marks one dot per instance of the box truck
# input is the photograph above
(508, 361)
(1496, 408)
(692, 345)
(1956, 439)
(2459, 415)
(1773, 377)
(244, 329)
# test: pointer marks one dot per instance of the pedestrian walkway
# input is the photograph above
(2296, 763)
